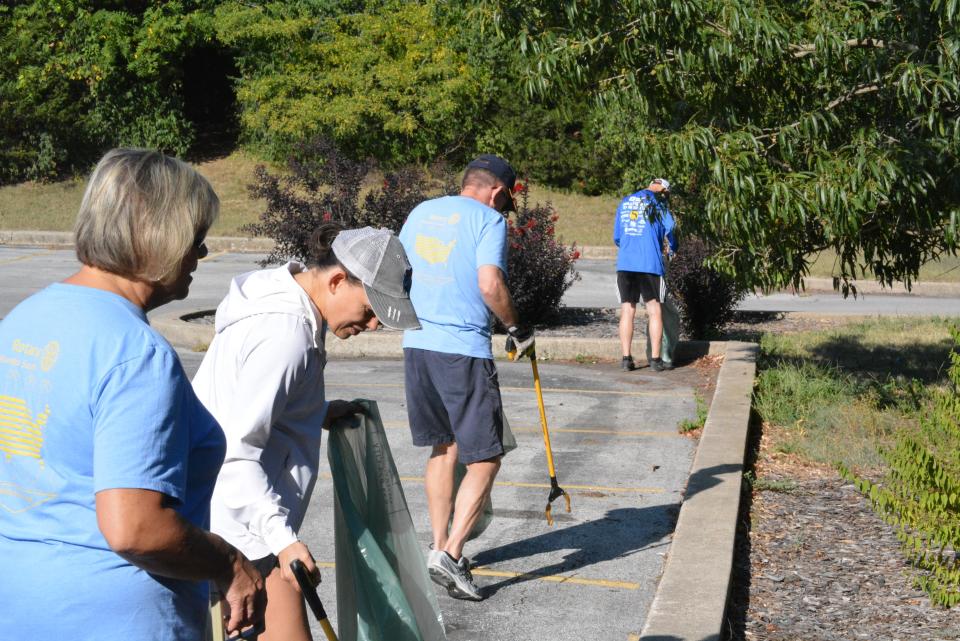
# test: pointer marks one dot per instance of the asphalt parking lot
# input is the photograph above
(593, 574)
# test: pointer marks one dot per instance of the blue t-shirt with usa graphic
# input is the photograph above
(447, 240)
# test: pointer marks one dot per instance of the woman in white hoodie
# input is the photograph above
(262, 378)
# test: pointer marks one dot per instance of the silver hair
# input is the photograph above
(141, 214)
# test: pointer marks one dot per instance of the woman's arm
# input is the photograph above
(140, 526)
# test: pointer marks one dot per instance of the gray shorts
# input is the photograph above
(454, 398)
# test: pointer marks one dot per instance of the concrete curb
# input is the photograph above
(384, 343)
(691, 598)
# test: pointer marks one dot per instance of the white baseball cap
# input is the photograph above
(377, 258)
(663, 182)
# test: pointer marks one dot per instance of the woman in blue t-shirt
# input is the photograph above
(109, 460)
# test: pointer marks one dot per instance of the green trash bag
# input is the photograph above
(383, 590)
(671, 331)
(509, 444)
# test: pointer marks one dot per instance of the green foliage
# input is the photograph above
(836, 396)
(762, 484)
(790, 127)
(707, 298)
(380, 82)
(920, 495)
(78, 77)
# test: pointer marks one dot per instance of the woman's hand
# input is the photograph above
(141, 527)
(297, 551)
(340, 408)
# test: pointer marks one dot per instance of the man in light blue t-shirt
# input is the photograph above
(642, 224)
(457, 248)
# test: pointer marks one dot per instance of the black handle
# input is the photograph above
(309, 590)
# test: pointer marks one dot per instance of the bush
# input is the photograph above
(920, 495)
(539, 268)
(322, 183)
(707, 299)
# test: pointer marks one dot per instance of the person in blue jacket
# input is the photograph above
(643, 222)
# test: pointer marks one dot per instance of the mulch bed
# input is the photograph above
(602, 322)
(815, 563)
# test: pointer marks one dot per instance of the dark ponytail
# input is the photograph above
(321, 249)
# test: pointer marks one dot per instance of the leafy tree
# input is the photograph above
(78, 77)
(380, 82)
(790, 126)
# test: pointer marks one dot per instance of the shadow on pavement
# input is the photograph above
(620, 533)
(709, 477)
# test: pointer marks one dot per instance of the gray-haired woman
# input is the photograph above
(110, 459)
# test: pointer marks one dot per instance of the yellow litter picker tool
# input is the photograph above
(555, 490)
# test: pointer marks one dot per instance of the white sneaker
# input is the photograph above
(453, 575)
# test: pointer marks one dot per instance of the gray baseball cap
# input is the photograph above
(377, 258)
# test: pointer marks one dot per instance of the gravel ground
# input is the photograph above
(815, 563)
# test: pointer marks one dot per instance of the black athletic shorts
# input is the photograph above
(454, 398)
(636, 285)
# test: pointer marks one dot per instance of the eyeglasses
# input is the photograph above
(200, 244)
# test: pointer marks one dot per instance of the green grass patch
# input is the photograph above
(786, 486)
(841, 394)
(689, 425)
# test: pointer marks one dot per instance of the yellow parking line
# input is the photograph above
(554, 390)
(556, 578)
(24, 257)
(553, 578)
(392, 425)
(633, 637)
(566, 486)
(588, 488)
(586, 430)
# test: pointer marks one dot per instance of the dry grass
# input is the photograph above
(53, 206)
(587, 220)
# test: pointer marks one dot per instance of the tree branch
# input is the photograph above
(856, 91)
(801, 50)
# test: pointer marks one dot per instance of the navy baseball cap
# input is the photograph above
(502, 170)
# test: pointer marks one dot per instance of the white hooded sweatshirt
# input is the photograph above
(262, 379)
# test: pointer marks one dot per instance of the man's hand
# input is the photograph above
(338, 409)
(244, 598)
(520, 342)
